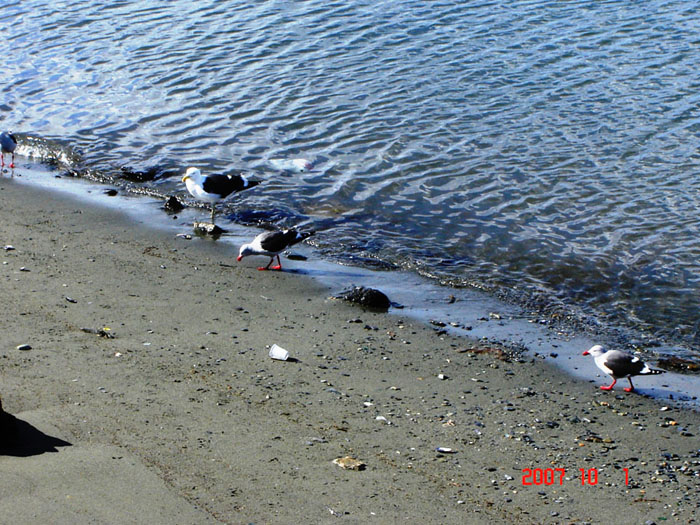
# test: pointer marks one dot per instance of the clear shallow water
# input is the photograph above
(538, 149)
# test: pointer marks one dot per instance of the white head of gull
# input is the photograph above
(619, 364)
(214, 188)
(272, 244)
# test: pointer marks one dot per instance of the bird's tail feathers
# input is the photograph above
(298, 236)
(651, 371)
(302, 236)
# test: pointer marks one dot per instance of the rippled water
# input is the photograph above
(545, 148)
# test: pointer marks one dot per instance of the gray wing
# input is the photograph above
(274, 242)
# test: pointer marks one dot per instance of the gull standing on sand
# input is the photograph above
(272, 244)
(8, 143)
(619, 364)
(214, 188)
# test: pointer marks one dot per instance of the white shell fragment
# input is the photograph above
(349, 463)
(446, 450)
(297, 165)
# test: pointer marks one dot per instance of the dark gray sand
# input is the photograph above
(148, 396)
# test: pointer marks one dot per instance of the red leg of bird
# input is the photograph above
(278, 267)
(609, 387)
(262, 269)
(12, 164)
(631, 388)
(3, 161)
(279, 264)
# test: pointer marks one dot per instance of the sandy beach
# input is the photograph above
(145, 394)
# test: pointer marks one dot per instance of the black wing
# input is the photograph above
(224, 185)
(622, 364)
(274, 242)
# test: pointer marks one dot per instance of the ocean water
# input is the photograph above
(546, 152)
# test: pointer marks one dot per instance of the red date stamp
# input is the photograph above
(556, 476)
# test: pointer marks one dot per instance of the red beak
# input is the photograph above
(239, 258)
(585, 353)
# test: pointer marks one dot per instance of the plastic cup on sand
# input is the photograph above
(277, 352)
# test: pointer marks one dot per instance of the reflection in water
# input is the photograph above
(544, 151)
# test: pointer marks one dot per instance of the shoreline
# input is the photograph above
(195, 405)
(470, 312)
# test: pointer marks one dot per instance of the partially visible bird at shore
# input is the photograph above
(214, 188)
(272, 244)
(619, 364)
(8, 143)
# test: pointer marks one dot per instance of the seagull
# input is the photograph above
(272, 244)
(214, 188)
(619, 364)
(8, 143)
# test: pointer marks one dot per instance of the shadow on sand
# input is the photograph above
(19, 438)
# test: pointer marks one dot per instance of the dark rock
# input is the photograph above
(173, 204)
(144, 175)
(367, 297)
(111, 192)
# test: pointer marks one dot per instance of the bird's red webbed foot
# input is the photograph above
(628, 389)
(610, 386)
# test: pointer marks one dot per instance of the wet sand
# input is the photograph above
(148, 395)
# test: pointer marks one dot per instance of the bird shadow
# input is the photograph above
(21, 439)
